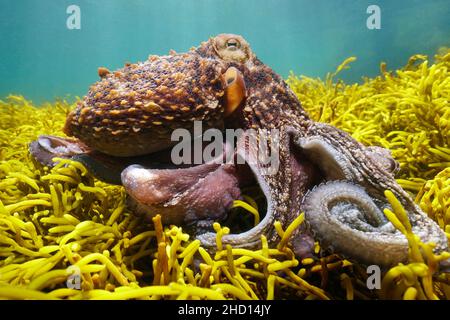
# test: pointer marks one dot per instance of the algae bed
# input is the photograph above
(61, 222)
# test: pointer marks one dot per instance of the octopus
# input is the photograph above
(121, 130)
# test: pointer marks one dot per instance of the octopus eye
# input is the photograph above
(231, 48)
(233, 44)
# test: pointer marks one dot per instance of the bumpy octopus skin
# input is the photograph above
(134, 110)
(338, 182)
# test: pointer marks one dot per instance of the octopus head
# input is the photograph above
(235, 54)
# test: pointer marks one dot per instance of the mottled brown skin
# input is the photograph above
(270, 104)
(133, 111)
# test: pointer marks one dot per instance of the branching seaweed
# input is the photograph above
(61, 222)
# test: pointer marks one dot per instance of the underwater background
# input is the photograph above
(42, 59)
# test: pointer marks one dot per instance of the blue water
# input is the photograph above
(42, 59)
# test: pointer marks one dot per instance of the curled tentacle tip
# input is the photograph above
(347, 219)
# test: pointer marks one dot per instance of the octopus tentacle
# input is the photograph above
(45, 148)
(295, 174)
(340, 157)
(104, 167)
(252, 237)
(344, 217)
(203, 192)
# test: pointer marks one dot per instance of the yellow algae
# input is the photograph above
(253, 209)
(394, 110)
(58, 218)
